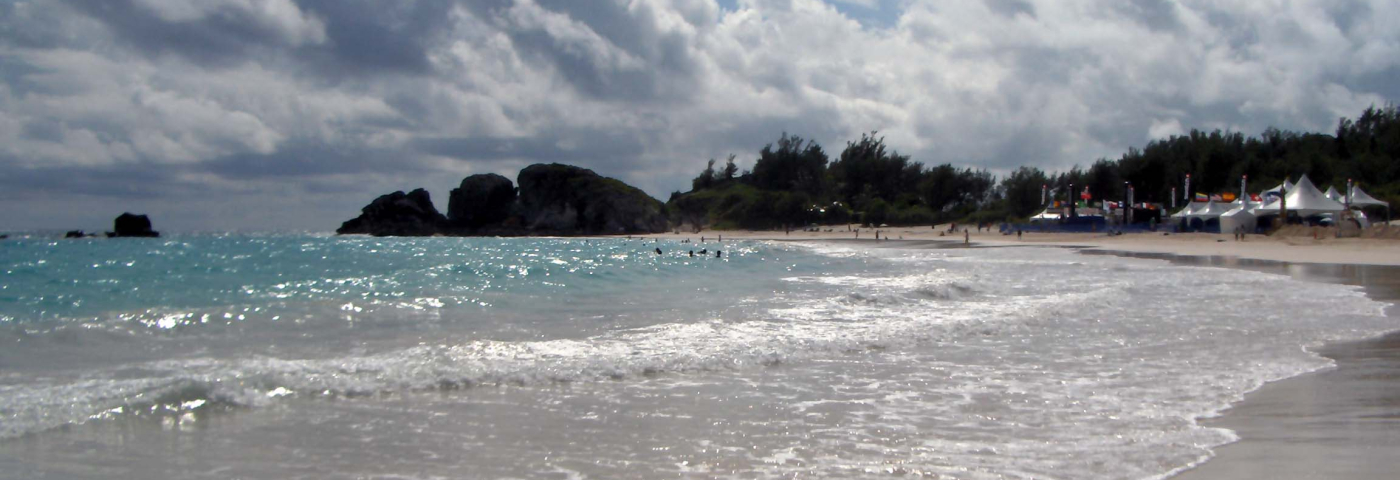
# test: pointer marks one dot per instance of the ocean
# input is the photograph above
(315, 356)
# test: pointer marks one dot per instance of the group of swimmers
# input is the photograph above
(703, 252)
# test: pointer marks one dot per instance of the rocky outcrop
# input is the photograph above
(481, 200)
(558, 198)
(132, 225)
(398, 214)
(553, 199)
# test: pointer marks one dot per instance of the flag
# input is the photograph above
(1254, 197)
(1201, 197)
(1227, 196)
(1216, 198)
(1085, 194)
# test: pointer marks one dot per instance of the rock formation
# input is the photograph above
(480, 201)
(132, 225)
(558, 198)
(398, 214)
(553, 199)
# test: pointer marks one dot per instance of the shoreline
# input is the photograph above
(1351, 251)
(1337, 422)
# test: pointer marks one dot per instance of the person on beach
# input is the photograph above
(692, 253)
(718, 253)
(966, 237)
(1018, 234)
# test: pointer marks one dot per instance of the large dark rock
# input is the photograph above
(480, 201)
(132, 225)
(557, 198)
(398, 214)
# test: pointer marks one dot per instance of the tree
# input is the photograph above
(1022, 189)
(730, 169)
(867, 168)
(706, 178)
(794, 165)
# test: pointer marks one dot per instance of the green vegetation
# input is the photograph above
(793, 183)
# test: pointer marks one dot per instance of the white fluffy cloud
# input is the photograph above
(325, 104)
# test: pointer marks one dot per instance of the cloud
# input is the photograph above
(321, 105)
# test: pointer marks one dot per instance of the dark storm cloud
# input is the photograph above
(123, 181)
(1156, 14)
(611, 147)
(371, 36)
(1011, 8)
(226, 34)
(311, 159)
(339, 37)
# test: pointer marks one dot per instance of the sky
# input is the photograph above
(294, 114)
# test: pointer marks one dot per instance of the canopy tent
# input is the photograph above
(1239, 218)
(1211, 210)
(1246, 203)
(1187, 210)
(1359, 198)
(1206, 216)
(1046, 215)
(1285, 187)
(1305, 200)
(1333, 194)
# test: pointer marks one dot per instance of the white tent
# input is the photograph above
(1211, 210)
(1239, 218)
(1305, 200)
(1359, 197)
(1046, 215)
(1285, 187)
(1186, 211)
(1333, 194)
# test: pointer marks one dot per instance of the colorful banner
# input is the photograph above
(1201, 197)
(1085, 194)
(1227, 196)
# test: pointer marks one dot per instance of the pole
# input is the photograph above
(1244, 192)
(1129, 212)
(1187, 193)
(1173, 198)
(1348, 197)
(1072, 213)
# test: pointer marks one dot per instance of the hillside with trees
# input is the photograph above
(794, 182)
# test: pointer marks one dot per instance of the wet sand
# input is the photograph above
(1339, 423)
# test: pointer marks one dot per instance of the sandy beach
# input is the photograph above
(1354, 251)
(1336, 423)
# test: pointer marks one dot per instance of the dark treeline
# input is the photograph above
(795, 183)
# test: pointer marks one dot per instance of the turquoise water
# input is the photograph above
(279, 356)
